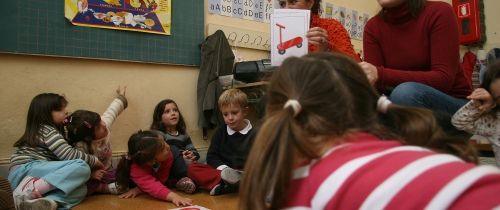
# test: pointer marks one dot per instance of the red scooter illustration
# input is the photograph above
(282, 46)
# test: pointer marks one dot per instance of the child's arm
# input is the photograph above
(213, 154)
(63, 151)
(466, 118)
(153, 185)
(116, 107)
(191, 150)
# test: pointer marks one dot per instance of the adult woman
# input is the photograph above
(412, 52)
(324, 35)
(329, 141)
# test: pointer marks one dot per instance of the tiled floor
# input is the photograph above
(146, 202)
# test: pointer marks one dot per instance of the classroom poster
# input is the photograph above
(150, 16)
(256, 10)
(288, 34)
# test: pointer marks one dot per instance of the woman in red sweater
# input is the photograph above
(325, 35)
(412, 52)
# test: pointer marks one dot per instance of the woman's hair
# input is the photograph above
(414, 6)
(142, 148)
(40, 113)
(81, 126)
(336, 99)
(233, 96)
(316, 8)
(157, 124)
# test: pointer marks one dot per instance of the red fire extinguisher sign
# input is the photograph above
(467, 12)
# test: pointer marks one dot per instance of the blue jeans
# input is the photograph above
(420, 95)
(68, 177)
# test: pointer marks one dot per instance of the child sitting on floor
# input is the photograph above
(45, 171)
(229, 147)
(147, 166)
(168, 119)
(90, 132)
(481, 115)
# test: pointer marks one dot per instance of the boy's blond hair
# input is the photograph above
(233, 96)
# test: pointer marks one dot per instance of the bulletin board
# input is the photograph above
(39, 27)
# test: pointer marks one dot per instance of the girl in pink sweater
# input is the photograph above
(147, 166)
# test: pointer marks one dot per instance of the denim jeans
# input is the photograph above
(420, 95)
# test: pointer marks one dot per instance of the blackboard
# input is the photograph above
(39, 27)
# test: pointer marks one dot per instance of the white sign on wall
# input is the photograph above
(256, 10)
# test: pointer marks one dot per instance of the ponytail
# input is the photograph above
(272, 161)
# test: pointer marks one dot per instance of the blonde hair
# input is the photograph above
(233, 96)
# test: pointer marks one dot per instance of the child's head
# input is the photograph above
(144, 148)
(45, 109)
(233, 104)
(85, 126)
(316, 102)
(167, 116)
(491, 81)
(147, 147)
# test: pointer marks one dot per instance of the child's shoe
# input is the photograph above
(230, 175)
(38, 204)
(186, 184)
(113, 188)
(25, 191)
(224, 188)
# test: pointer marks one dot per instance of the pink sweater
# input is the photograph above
(151, 181)
(368, 173)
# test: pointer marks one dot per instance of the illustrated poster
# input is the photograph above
(150, 16)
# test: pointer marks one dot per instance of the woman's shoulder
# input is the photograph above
(434, 7)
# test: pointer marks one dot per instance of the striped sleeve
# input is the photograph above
(378, 175)
(56, 143)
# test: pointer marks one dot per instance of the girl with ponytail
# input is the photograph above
(329, 141)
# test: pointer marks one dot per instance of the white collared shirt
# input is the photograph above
(244, 131)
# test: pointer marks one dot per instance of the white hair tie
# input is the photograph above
(295, 106)
(382, 104)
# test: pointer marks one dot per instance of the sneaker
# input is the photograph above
(186, 184)
(113, 188)
(38, 204)
(25, 191)
(223, 188)
(230, 175)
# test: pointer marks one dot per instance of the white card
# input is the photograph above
(288, 34)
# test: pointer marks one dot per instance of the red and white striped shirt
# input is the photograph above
(369, 173)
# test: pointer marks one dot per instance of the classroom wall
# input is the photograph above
(90, 84)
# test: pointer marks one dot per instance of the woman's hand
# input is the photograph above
(319, 37)
(178, 200)
(370, 71)
(132, 193)
(484, 98)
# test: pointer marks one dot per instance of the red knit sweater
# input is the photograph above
(339, 39)
(424, 49)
